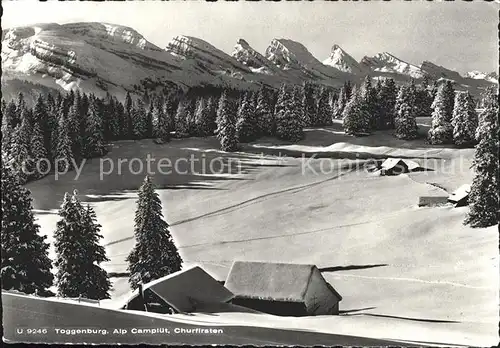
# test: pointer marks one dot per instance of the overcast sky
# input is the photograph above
(458, 35)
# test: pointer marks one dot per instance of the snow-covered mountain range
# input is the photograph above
(101, 57)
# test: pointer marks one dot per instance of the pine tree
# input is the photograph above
(387, 104)
(309, 104)
(20, 148)
(246, 125)
(38, 153)
(7, 138)
(11, 116)
(183, 118)
(264, 114)
(405, 122)
(40, 117)
(340, 103)
(94, 145)
(94, 283)
(154, 254)
(441, 131)
(161, 122)
(289, 124)
(78, 253)
(201, 117)
(149, 119)
(369, 98)
(63, 153)
(299, 107)
(226, 124)
(356, 120)
(464, 120)
(424, 98)
(484, 194)
(324, 112)
(139, 115)
(25, 265)
(129, 117)
(74, 120)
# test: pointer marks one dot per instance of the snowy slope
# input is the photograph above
(386, 63)
(403, 271)
(341, 60)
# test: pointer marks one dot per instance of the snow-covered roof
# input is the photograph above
(392, 162)
(271, 281)
(460, 193)
(179, 289)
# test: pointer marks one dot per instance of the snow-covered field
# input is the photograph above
(405, 273)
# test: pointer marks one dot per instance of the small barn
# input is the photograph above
(282, 289)
(432, 201)
(393, 166)
(182, 291)
(396, 166)
(460, 196)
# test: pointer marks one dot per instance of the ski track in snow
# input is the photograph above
(242, 204)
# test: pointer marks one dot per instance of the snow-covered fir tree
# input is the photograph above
(405, 122)
(63, 153)
(202, 117)
(298, 104)
(183, 118)
(94, 145)
(369, 98)
(424, 98)
(41, 117)
(75, 117)
(484, 194)
(129, 116)
(20, 148)
(280, 101)
(324, 111)
(246, 125)
(154, 254)
(140, 119)
(11, 115)
(25, 265)
(7, 138)
(38, 153)
(264, 114)
(441, 131)
(464, 120)
(355, 119)
(386, 97)
(161, 122)
(95, 282)
(309, 104)
(149, 119)
(226, 124)
(289, 123)
(340, 103)
(78, 252)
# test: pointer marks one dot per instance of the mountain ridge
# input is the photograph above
(103, 57)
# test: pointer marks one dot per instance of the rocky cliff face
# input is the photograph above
(294, 57)
(252, 59)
